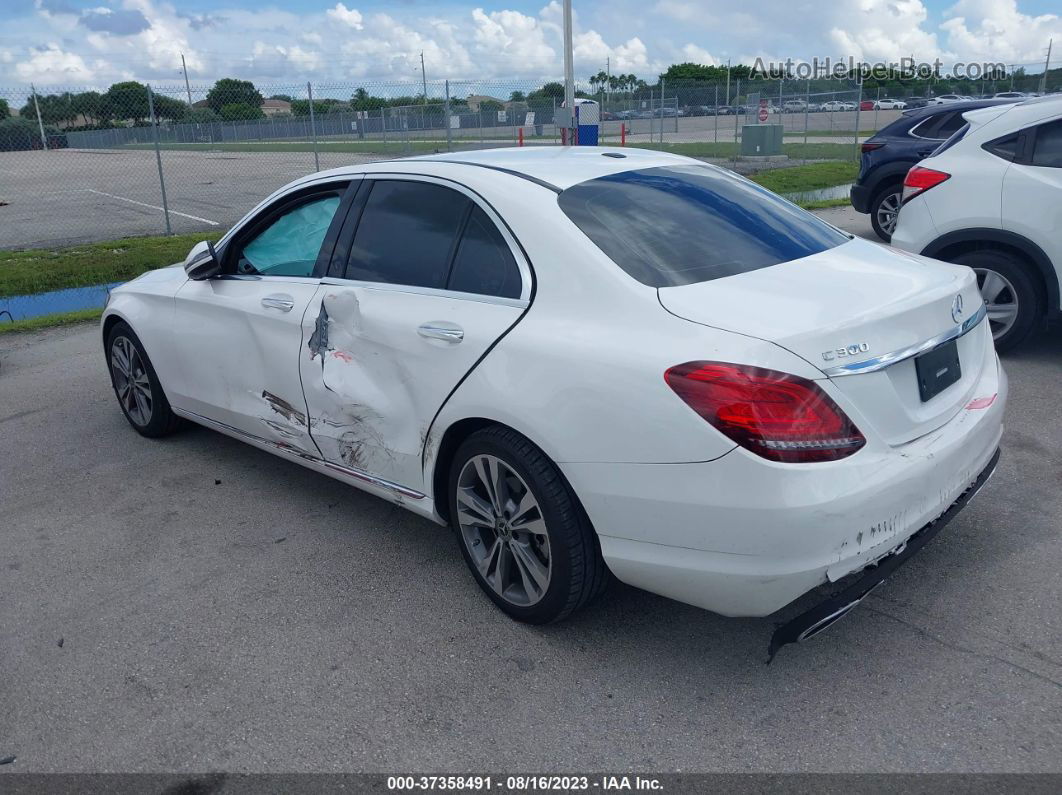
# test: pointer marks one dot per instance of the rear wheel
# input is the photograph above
(523, 534)
(1010, 295)
(884, 208)
(136, 386)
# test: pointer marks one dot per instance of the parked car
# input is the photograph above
(395, 325)
(914, 103)
(725, 110)
(1010, 95)
(945, 99)
(889, 104)
(866, 104)
(890, 153)
(836, 105)
(989, 198)
(794, 106)
(814, 107)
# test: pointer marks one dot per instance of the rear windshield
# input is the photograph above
(677, 225)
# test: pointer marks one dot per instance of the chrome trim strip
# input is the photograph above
(292, 452)
(889, 359)
(519, 303)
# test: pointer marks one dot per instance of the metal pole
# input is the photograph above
(313, 128)
(158, 157)
(727, 81)
(1047, 67)
(187, 87)
(40, 124)
(446, 110)
(651, 111)
(423, 77)
(807, 109)
(715, 113)
(859, 101)
(569, 65)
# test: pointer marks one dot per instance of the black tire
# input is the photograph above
(159, 419)
(578, 573)
(1015, 271)
(893, 192)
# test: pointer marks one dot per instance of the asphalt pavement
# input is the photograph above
(194, 604)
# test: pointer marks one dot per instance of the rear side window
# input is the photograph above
(677, 225)
(1005, 147)
(1047, 149)
(407, 234)
(952, 123)
(484, 264)
(954, 139)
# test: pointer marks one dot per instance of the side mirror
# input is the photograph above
(202, 262)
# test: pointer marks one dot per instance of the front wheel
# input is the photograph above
(136, 385)
(522, 532)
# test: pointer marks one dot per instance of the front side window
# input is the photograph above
(407, 234)
(1047, 149)
(290, 244)
(676, 225)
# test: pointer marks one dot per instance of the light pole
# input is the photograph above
(569, 70)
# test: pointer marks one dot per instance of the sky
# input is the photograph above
(92, 43)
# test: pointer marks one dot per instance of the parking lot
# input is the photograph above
(195, 604)
(74, 196)
(70, 196)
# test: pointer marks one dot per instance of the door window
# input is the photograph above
(290, 244)
(1047, 150)
(407, 234)
(484, 264)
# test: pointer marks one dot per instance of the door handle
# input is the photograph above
(441, 330)
(279, 301)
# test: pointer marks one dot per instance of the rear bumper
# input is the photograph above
(860, 197)
(742, 536)
(824, 614)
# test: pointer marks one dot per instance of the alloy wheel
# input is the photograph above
(888, 209)
(503, 529)
(1001, 300)
(131, 381)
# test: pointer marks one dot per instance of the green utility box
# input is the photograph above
(761, 140)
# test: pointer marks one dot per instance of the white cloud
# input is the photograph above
(52, 64)
(346, 16)
(995, 30)
(695, 54)
(145, 38)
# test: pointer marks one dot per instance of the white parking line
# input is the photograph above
(153, 207)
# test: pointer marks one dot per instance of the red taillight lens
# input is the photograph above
(778, 416)
(920, 179)
(870, 146)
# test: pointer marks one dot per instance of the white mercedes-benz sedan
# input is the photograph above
(584, 361)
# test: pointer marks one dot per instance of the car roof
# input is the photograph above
(559, 167)
(970, 104)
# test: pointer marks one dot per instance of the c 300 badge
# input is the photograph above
(848, 350)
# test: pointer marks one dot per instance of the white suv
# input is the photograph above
(991, 198)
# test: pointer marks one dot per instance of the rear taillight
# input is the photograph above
(920, 179)
(870, 146)
(778, 416)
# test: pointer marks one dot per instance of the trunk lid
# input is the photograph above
(847, 305)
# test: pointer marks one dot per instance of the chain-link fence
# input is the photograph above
(135, 160)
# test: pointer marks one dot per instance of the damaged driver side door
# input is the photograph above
(424, 279)
(240, 332)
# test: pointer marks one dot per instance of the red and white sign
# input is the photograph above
(763, 110)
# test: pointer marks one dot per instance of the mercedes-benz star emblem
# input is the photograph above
(956, 308)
